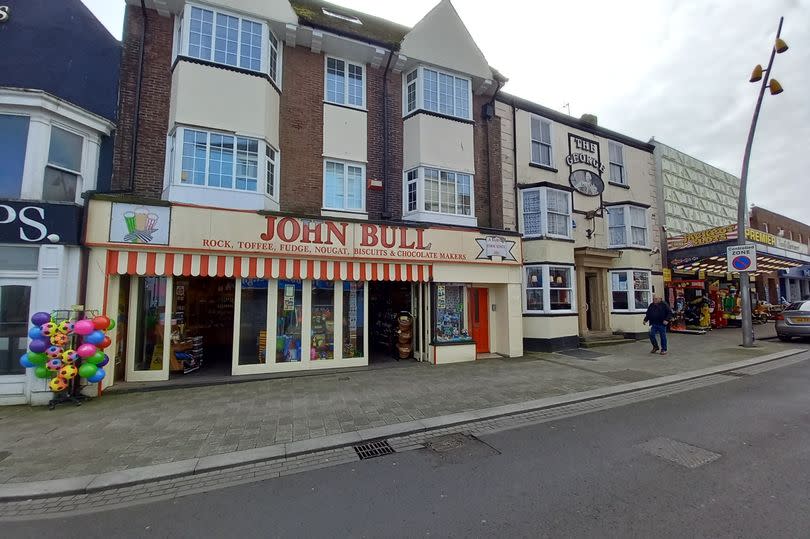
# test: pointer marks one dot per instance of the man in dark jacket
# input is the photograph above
(658, 315)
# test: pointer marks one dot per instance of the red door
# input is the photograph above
(479, 319)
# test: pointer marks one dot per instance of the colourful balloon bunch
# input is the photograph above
(51, 358)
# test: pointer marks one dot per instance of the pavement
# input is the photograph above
(727, 459)
(135, 437)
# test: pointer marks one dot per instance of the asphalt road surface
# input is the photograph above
(593, 475)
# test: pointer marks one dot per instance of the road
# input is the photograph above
(586, 476)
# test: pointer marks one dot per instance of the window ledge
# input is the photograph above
(548, 238)
(629, 248)
(629, 312)
(441, 218)
(543, 167)
(345, 106)
(438, 115)
(617, 184)
(345, 214)
(538, 314)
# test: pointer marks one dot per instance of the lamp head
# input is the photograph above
(775, 87)
(780, 45)
(756, 74)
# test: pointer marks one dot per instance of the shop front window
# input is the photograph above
(289, 315)
(323, 320)
(253, 322)
(353, 320)
(449, 318)
(151, 318)
(14, 306)
(549, 289)
(630, 290)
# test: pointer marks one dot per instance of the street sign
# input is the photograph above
(741, 258)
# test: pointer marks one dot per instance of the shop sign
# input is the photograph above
(729, 233)
(584, 154)
(136, 223)
(26, 222)
(493, 246)
(667, 275)
(4, 13)
(683, 283)
(741, 258)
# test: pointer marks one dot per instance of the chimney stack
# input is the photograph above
(589, 119)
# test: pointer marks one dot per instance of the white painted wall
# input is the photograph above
(345, 133)
(550, 327)
(456, 353)
(438, 142)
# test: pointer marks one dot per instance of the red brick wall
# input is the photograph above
(775, 221)
(301, 131)
(488, 185)
(374, 199)
(154, 112)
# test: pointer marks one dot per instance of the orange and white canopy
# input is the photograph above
(197, 265)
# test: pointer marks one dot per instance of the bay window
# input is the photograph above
(64, 166)
(345, 83)
(438, 91)
(630, 290)
(344, 186)
(546, 212)
(225, 161)
(13, 143)
(627, 226)
(438, 191)
(228, 39)
(548, 288)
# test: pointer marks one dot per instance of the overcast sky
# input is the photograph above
(674, 69)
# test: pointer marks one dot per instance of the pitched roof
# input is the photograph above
(373, 29)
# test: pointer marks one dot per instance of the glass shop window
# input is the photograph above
(353, 320)
(253, 322)
(323, 320)
(151, 318)
(449, 318)
(14, 306)
(289, 314)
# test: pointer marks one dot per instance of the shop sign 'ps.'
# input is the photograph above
(135, 223)
(741, 258)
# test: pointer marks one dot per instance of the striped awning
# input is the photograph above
(196, 265)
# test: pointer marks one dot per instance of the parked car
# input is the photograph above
(794, 321)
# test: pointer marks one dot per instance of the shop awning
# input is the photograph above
(195, 265)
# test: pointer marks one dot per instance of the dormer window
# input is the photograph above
(437, 91)
(348, 18)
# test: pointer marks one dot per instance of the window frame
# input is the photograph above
(543, 196)
(419, 81)
(421, 199)
(550, 144)
(346, 63)
(184, 35)
(631, 291)
(174, 157)
(628, 227)
(61, 168)
(622, 166)
(363, 179)
(546, 288)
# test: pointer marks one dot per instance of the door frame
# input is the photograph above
(132, 332)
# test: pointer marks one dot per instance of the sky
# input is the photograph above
(676, 70)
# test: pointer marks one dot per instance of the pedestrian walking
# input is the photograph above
(658, 315)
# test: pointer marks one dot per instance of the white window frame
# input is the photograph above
(276, 162)
(622, 165)
(543, 200)
(420, 193)
(174, 157)
(550, 143)
(420, 92)
(60, 168)
(547, 288)
(363, 178)
(346, 63)
(631, 291)
(628, 227)
(264, 65)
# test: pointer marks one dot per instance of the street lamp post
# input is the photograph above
(742, 209)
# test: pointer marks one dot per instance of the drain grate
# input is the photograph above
(373, 449)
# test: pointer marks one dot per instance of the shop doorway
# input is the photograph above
(590, 285)
(479, 319)
(387, 301)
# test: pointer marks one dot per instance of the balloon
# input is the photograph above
(68, 372)
(66, 327)
(103, 363)
(42, 372)
(54, 364)
(95, 337)
(96, 358)
(25, 362)
(40, 318)
(58, 384)
(54, 352)
(38, 345)
(87, 370)
(35, 333)
(49, 329)
(111, 326)
(98, 377)
(105, 343)
(101, 322)
(86, 350)
(84, 327)
(70, 356)
(37, 358)
(60, 339)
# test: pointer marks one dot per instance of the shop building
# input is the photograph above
(583, 197)
(58, 93)
(297, 176)
(792, 284)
